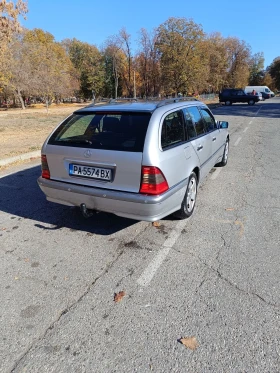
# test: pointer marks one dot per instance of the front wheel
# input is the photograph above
(228, 102)
(225, 156)
(251, 102)
(188, 204)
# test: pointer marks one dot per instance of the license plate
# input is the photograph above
(90, 172)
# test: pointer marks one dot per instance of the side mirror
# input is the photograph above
(222, 124)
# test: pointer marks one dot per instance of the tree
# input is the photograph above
(9, 25)
(256, 65)
(274, 71)
(89, 63)
(178, 42)
(217, 65)
(238, 58)
(40, 66)
(148, 64)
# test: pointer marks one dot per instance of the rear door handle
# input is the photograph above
(199, 147)
(214, 139)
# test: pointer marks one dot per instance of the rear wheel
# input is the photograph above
(251, 102)
(228, 102)
(188, 204)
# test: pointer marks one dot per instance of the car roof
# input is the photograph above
(145, 106)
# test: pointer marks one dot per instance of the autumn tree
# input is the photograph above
(180, 58)
(9, 25)
(40, 66)
(238, 58)
(89, 63)
(217, 61)
(114, 61)
(148, 64)
(274, 71)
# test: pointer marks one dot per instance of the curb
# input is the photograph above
(22, 157)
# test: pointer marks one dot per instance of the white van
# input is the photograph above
(260, 89)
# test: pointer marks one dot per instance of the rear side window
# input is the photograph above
(189, 125)
(124, 131)
(172, 132)
(197, 120)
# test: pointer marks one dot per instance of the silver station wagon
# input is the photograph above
(140, 160)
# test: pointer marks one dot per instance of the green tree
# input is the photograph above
(90, 65)
(256, 66)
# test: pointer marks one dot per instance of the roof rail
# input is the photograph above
(175, 99)
(118, 100)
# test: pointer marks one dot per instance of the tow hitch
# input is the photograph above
(86, 212)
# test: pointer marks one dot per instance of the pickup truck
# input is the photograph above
(232, 95)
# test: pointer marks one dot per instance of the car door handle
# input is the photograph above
(214, 139)
(199, 147)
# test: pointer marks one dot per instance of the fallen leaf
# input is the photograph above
(230, 209)
(3, 229)
(189, 342)
(16, 278)
(119, 296)
(156, 224)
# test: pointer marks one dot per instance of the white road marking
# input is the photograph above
(154, 265)
(246, 128)
(215, 174)
(237, 141)
(258, 111)
(250, 122)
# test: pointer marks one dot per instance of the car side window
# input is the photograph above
(189, 125)
(172, 132)
(209, 119)
(197, 120)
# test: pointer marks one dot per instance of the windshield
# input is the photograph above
(123, 131)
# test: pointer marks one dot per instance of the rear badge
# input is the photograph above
(87, 153)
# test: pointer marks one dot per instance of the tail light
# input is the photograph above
(45, 167)
(153, 181)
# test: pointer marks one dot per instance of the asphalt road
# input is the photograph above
(214, 277)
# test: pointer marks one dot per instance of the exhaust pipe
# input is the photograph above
(86, 212)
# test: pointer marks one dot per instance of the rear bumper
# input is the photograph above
(129, 205)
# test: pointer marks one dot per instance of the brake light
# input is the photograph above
(153, 181)
(45, 167)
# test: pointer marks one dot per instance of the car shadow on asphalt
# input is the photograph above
(21, 196)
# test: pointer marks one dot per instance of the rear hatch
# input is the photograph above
(99, 149)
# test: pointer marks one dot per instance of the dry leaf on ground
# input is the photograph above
(156, 224)
(230, 209)
(119, 296)
(189, 342)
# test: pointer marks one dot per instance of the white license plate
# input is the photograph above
(90, 172)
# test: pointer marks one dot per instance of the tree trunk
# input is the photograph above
(18, 93)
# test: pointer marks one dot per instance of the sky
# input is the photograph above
(254, 21)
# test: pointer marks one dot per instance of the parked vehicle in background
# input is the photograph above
(265, 95)
(233, 95)
(260, 96)
(259, 88)
(140, 160)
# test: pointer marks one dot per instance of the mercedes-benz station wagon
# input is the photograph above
(139, 160)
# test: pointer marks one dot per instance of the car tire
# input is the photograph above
(228, 102)
(251, 102)
(188, 204)
(225, 156)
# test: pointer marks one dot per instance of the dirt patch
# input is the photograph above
(23, 131)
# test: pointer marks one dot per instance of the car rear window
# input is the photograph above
(124, 131)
